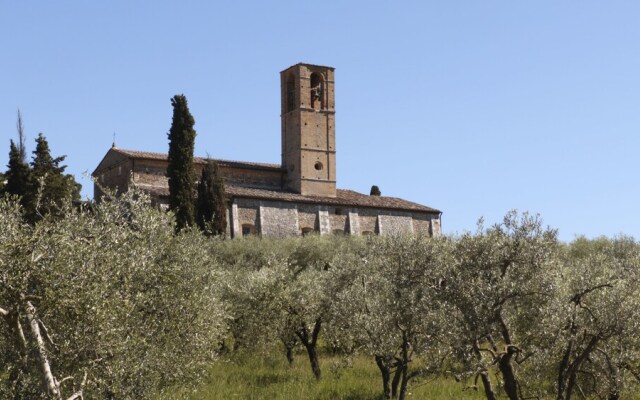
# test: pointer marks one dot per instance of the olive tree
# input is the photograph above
(257, 301)
(390, 308)
(283, 289)
(596, 348)
(105, 302)
(500, 282)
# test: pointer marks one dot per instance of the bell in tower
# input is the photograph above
(308, 129)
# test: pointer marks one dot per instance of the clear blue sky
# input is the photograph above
(471, 107)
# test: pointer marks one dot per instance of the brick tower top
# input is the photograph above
(308, 129)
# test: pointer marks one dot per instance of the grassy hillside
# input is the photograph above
(269, 377)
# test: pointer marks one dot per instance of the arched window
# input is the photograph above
(291, 93)
(317, 91)
(248, 230)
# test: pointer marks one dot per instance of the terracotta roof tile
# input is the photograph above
(343, 198)
(347, 198)
(199, 160)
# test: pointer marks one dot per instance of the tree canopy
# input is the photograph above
(49, 189)
(109, 298)
(42, 185)
(118, 300)
(212, 201)
(181, 170)
(18, 173)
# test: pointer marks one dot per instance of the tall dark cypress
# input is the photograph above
(212, 202)
(18, 173)
(181, 171)
(220, 202)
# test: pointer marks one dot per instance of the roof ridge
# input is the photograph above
(165, 155)
(345, 197)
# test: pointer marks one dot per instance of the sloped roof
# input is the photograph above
(310, 65)
(343, 198)
(146, 155)
(347, 198)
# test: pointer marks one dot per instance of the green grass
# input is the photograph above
(268, 376)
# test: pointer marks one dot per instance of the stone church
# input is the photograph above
(298, 196)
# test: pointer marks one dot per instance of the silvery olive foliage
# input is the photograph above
(108, 302)
(595, 346)
(389, 308)
(257, 301)
(500, 281)
(105, 302)
(281, 290)
(508, 310)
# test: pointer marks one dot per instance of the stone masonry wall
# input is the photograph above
(421, 223)
(278, 219)
(435, 227)
(248, 216)
(353, 222)
(252, 177)
(338, 223)
(116, 177)
(154, 172)
(368, 223)
(395, 224)
(308, 217)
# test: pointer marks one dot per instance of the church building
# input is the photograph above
(298, 196)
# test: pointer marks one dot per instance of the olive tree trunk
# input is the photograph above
(385, 372)
(310, 341)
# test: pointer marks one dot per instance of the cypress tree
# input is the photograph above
(21, 137)
(49, 190)
(212, 202)
(181, 171)
(220, 209)
(375, 191)
(18, 174)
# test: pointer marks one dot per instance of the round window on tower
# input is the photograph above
(318, 166)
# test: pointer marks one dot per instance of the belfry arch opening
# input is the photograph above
(291, 93)
(317, 91)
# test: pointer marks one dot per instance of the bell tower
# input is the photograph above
(308, 129)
